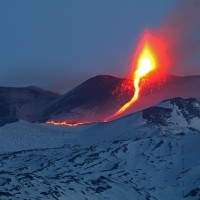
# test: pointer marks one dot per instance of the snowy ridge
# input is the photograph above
(149, 155)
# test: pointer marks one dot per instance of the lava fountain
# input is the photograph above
(150, 51)
(149, 54)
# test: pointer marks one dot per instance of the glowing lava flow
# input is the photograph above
(146, 63)
(150, 53)
(66, 123)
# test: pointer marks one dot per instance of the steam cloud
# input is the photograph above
(181, 30)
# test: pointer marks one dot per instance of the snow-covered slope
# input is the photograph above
(150, 155)
(157, 167)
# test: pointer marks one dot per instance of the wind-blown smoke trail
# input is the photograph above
(181, 30)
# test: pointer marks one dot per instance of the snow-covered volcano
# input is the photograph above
(93, 100)
(101, 96)
(152, 154)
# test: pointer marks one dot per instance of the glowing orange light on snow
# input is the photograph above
(66, 123)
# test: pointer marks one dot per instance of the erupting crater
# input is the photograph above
(147, 58)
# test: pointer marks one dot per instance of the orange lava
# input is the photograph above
(150, 56)
(150, 52)
(66, 123)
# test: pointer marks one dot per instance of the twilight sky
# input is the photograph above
(58, 44)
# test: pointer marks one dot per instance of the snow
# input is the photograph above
(129, 158)
(124, 169)
(24, 135)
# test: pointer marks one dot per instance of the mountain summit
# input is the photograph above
(93, 100)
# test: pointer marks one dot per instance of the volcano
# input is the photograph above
(101, 96)
(93, 100)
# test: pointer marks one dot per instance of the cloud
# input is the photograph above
(180, 30)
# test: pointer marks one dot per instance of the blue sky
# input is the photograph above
(58, 44)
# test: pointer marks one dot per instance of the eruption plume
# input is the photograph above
(147, 58)
(171, 45)
(180, 30)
